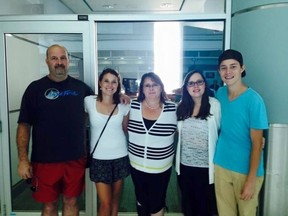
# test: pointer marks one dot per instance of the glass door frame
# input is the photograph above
(71, 24)
(68, 24)
(226, 18)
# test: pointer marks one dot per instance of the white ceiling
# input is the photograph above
(93, 6)
(175, 6)
(30, 7)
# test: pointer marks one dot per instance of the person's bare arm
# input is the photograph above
(249, 187)
(22, 139)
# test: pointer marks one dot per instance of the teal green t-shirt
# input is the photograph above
(234, 145)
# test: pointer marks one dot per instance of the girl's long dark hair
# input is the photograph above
(155, 78)
(116, 95)
(186, 105)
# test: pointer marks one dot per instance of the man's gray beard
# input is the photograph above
(60, 71)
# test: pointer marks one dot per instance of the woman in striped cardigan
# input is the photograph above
(151, 128)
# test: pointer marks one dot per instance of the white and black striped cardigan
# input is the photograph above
(152, 150)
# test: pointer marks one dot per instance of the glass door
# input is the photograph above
(126, 46)
(23, 61)
(169, 48)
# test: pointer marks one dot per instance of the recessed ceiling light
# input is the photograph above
(166, 5)
(108, 6)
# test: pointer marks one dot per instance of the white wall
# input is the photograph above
(260, 33)
(22, 7)
(261, 36)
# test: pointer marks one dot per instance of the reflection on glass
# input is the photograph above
(168, 53)
(134, 48)
(26, 55)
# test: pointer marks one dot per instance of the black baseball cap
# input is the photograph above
(232, 54)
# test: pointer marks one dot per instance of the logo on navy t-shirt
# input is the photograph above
(53, 93)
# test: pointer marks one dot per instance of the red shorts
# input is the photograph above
(52, 179)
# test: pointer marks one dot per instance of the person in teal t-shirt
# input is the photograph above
(239, 170)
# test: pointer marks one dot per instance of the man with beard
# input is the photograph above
(53, 108)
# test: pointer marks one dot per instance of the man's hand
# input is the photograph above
(25, 169)
(125, 99)
(248, 190)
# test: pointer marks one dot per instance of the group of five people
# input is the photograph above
(219, 140)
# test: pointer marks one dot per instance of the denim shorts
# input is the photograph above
(109, 171)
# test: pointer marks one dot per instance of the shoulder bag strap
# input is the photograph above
(103, 130)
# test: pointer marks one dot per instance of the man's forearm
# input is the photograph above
(22, 139)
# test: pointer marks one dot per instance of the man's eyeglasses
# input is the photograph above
(197, 83)
(33, 182)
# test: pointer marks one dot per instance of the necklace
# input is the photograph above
(150, 107)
